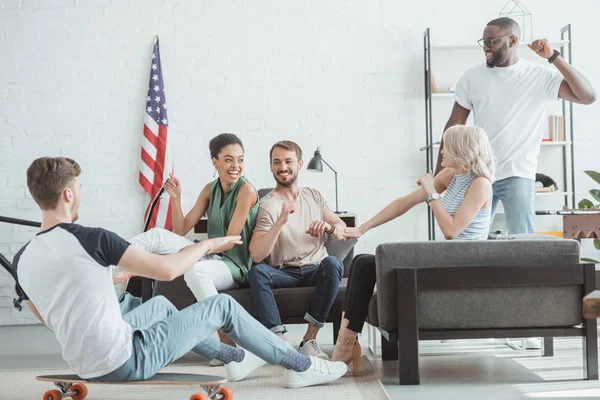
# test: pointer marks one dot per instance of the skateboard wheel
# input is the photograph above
(81, 391)
(226, 393)
(52, 395)
(198, 396)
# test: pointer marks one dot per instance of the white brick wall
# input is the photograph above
(342, 75)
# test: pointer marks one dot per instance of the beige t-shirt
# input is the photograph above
(294, 247)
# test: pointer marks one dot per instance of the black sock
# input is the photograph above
(228, 354)
(296, 361)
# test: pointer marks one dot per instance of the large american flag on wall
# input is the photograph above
(156, 163)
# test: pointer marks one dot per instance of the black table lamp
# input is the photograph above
(316, 165)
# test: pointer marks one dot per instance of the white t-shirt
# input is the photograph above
(509, 103)
(65, 272)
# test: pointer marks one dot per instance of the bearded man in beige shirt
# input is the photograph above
(288, 243)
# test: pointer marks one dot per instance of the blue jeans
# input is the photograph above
(326, 278)
(162, 334)
(518, 198)
(128, 303)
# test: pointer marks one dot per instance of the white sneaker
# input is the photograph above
(236, 371)
(320, 371)
(311, 348)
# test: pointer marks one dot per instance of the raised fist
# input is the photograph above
(288, 207)
(542, 48)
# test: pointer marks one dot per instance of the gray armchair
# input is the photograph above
(482, 289)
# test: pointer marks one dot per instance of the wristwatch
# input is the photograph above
(556, 54)
(433, 196)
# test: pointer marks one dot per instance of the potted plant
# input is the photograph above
(586, 203)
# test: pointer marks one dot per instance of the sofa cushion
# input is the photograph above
(512, 307)
(524, 306)
(292, 302)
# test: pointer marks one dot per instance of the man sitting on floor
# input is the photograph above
(290, 230)
(66, 275)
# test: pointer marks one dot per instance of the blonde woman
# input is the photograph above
(463, 213)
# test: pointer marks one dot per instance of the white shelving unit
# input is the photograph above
(543, 144)
(454, 54)
(451, 47)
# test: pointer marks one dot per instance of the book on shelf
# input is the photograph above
(556, 128)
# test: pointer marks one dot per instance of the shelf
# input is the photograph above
(557, 193)
(554, 43)
(544, 144)
(556, 143)
(442, 95)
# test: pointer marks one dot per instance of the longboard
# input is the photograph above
(74, 386)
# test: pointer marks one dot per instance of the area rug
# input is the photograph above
(264, 384)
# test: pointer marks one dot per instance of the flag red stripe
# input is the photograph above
(161, 152)
(147, 159)
(150, 136)
(145, 183)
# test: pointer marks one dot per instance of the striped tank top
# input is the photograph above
(479, 228)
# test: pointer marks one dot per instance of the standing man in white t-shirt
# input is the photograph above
(508, 97)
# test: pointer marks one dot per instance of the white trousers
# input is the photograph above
(205, 278)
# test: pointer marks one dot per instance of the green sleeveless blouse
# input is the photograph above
(220, 211)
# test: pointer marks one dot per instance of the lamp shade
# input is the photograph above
(315, 163)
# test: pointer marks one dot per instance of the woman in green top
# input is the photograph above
(231, 204)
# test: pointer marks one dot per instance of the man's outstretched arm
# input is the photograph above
(170, 266)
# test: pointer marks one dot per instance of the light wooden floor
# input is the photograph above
(471, 369)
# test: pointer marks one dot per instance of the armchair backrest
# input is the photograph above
(390, 257)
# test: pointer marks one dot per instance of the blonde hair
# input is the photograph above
(469, 147)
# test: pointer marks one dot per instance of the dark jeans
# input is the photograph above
(359, 290)
(326, 278)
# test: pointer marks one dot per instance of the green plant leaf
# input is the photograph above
(595, 193)
(589, 260)
(597, 243)
(585, 203)
(594, 175)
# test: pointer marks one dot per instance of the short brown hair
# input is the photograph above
(48, 176)
(288, 145)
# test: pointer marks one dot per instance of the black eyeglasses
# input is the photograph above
(490, 42)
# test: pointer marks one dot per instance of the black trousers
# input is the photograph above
(359, 290)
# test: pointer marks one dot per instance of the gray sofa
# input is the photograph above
(292, 302)
(522, 287)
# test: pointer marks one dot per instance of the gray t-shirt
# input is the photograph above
(294, 247)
